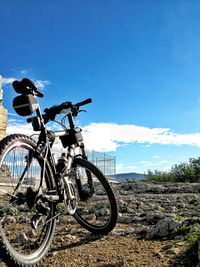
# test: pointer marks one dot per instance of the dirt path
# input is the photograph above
(76, 247)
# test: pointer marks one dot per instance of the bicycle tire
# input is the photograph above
(101, 216)
(32, 249)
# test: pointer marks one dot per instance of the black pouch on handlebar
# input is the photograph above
(74, 136)
(25, 105)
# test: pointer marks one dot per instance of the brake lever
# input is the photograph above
(76, 111)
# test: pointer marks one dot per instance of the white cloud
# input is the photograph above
(109, 136)
(13, 114)
(41, 84)
(14, 126)
(8, 80)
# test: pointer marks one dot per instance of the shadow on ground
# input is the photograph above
(187, 259)
(88, 238)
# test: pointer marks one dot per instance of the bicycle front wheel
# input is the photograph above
(98, 213)
(25, 233)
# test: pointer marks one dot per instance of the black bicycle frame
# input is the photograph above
(43, 150)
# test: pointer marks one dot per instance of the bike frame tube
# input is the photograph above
(46, 147)
(29, 160)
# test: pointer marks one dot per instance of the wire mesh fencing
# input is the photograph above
(105, 162)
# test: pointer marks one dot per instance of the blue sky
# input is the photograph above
(139, 60)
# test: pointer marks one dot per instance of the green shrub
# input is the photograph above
(193, 236)
(183, 172)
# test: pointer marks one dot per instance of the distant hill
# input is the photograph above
(127, 176)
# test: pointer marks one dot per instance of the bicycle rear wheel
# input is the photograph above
(98, 214)
(26, 235)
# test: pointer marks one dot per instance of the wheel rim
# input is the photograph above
(18, 235)
(96, 211)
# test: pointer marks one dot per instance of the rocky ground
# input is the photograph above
(157, 226)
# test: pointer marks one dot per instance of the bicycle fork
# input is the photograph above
(70, 198)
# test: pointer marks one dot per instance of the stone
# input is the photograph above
(164, 228)
(154, 216)
(160, 207)
(71, 237)
(126, 219)
(8, 219)
(167, 247)
(171, 208)
(174, 251)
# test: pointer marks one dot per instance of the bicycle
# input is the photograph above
(36, 185)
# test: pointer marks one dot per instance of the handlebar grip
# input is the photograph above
(84, 102)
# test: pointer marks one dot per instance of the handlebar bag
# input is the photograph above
(73, 136)
(25, 105)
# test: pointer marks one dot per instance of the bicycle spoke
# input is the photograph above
(22, 176)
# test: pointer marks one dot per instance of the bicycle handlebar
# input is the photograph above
(56, 109)
(50, 113)
(26, 87)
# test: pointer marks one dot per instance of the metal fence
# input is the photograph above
(105, 162)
